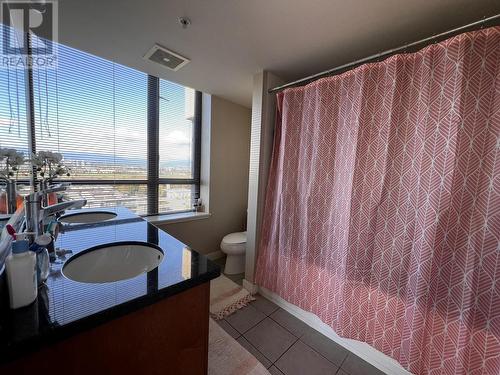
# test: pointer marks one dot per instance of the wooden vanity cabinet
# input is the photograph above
(167, 337)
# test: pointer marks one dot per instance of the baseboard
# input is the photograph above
(252, 288)
(215, 255)
(361, 349)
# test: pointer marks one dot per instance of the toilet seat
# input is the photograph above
(235, 238)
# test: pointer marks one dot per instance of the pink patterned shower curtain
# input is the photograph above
(383, 207)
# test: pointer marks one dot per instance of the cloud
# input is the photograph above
(178, 137)
(176, 145)
(129, 134)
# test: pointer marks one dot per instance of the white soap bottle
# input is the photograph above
(21, 274)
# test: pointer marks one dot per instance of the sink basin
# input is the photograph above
(87, 217)
(113, 262)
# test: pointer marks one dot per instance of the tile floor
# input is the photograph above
(287, 346)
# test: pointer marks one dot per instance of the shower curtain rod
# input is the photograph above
(344, 67)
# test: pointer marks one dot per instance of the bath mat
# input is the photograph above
(226, 297)
(227, 357)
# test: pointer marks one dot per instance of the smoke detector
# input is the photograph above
(185, 22)
(166, 58)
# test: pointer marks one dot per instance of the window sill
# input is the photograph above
(177, 217)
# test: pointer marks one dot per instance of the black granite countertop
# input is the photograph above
(65, 307)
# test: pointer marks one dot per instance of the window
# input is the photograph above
(130, 139)
(177, 145)
(13, 126)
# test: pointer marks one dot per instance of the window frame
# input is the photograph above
(153, 180)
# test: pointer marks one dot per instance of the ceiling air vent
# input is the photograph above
(165, 57)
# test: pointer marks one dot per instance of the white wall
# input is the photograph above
(263, 118)
(224, 175)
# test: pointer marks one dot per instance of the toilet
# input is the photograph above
(234, 246)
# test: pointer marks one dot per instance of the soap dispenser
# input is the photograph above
(21, 274)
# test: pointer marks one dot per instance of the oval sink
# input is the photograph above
(87, 217)
(113, 262)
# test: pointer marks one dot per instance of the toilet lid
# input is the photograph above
(238, 237)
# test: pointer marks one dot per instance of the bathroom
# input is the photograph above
(265, 187)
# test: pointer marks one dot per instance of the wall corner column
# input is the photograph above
(261, 147)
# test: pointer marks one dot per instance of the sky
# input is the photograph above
(92, 105)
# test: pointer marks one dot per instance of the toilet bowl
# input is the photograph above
(234, 246)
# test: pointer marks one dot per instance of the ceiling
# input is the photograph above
(230, 40)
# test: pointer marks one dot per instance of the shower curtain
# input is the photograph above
(382, 210)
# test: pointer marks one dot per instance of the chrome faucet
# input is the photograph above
(36, 213)
(46, 189)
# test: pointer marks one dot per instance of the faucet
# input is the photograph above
(46, 189)
(36, 213)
